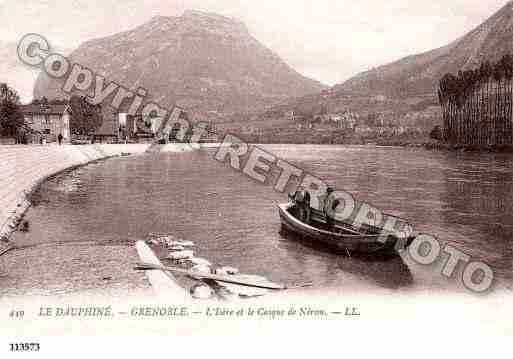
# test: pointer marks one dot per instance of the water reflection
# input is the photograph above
(384, 269)
(479, 190)
(391, 273)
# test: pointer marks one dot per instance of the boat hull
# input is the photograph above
(360, 243)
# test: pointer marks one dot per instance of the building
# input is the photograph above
(143, 129)
(47, 120)
(126, 127)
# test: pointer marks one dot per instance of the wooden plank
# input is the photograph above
(233, 279)
(163, 283)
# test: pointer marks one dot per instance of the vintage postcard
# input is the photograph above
(197, 178)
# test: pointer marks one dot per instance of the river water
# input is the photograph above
(464, 199)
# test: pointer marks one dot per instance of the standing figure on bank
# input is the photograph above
(59, 138)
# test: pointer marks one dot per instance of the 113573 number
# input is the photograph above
(24, 347)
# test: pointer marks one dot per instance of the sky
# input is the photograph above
(329, 40)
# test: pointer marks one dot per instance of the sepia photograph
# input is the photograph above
(230, 177)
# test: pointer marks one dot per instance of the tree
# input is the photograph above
(11, 118)
(85, 117)
(477, 106)
(322, 110)
(436, 133)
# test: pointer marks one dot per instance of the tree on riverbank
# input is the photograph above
(477, 105)
(11, 118)
(85, 117)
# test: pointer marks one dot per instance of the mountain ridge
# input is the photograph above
(200, 60)
(405, 91)
(419, 74)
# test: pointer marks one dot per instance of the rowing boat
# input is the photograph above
(341, 236)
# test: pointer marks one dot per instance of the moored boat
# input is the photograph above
(342, 236)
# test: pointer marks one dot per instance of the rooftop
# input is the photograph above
(47, 109)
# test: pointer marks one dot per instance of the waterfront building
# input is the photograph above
(47, 120)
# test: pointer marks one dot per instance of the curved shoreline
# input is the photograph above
(26, 167)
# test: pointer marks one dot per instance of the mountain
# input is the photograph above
(419, 74)
(200, 61)
(405, 91)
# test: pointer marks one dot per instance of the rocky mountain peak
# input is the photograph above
(199, 60)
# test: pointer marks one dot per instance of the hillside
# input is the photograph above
(404, 92)
(200, 61)
(419, 74)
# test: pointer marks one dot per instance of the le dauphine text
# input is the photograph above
(178, 311)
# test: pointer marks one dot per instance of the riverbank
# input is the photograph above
(434, 145)
(23, 168)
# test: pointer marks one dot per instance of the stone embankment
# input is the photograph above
(23, 168)
(57, 269)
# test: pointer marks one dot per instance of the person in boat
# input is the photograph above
(301, 199)
(329, 203)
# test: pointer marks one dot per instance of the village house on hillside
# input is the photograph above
(47, 120)
(343, 120)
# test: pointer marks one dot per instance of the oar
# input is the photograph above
(227, 279)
